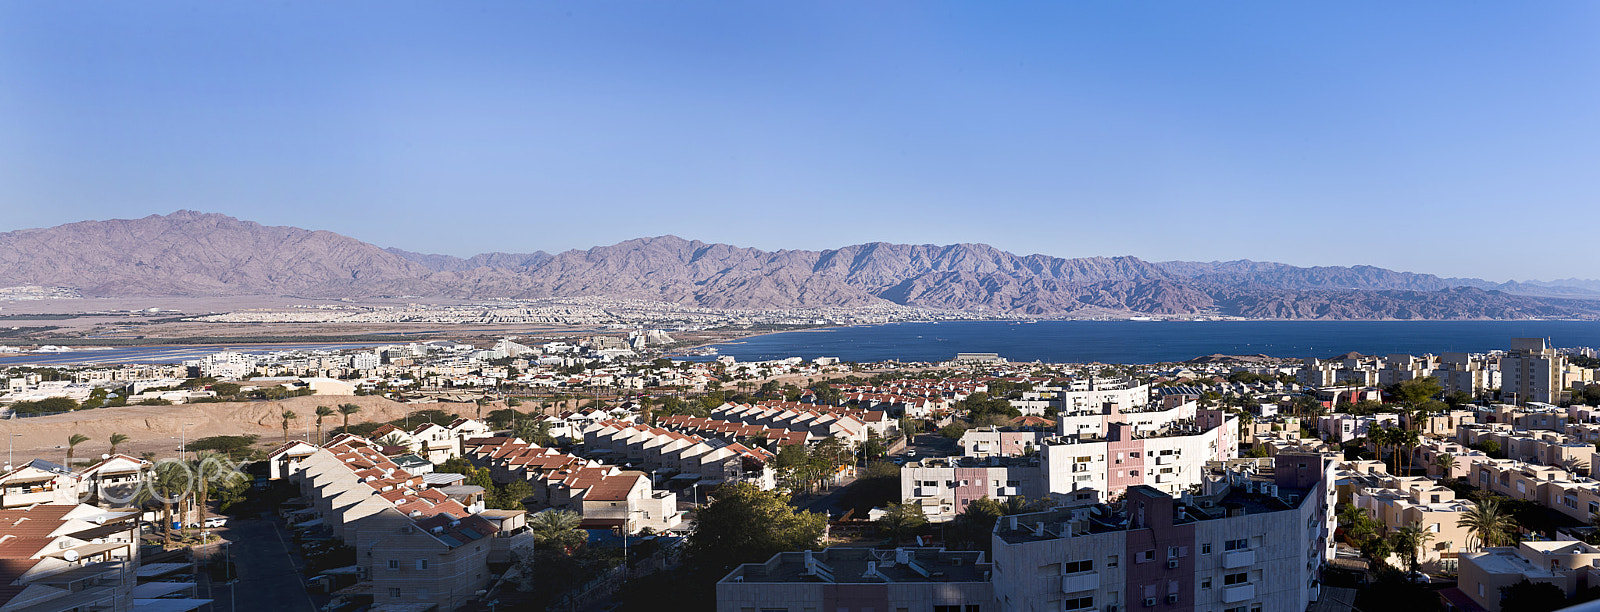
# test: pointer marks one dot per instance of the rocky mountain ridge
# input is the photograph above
(189, 253)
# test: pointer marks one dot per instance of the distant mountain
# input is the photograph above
(196, 254)
(1246, 273)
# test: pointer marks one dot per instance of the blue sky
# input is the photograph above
(1456, 138)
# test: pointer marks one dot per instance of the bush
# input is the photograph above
(953, 431)
(46, 405)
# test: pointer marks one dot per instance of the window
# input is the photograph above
(1148, 555)
(394, 592)
(1077, 566)
(1078, 603)
(1172, 552)
(1111, 561)
(1205, 549)
(1239, 544)
(394, 564)
(1233, 579)
(1205, 583)
(947, 609)
(422, 564)
(1235, 609)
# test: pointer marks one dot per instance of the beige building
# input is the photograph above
(1532, 372)
(1563, 564)
(1399, 502)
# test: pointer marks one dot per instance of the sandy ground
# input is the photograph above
(158, 428)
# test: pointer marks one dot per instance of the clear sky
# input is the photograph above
(1459, 138)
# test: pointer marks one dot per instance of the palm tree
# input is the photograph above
(322, 411)
(288, 415)
(117, 440)
(212, 472)
(1446, 463)
(168, 483)
(556, 529)
(1408, 540)
(1379, 437)
(1488, 522)
(73, 441)
(1358, 524)
(1407, 439)
(347, 410)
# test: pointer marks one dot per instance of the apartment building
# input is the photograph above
(1249, 542)
(1567, 565)
(900, 580)
(1168, 459)
(945, 486)
(1397, 502)
(1532, 371)
(997, 442)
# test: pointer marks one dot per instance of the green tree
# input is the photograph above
(167, 484)
(1408, 541)
(1445, 463)
(118, 439)
(72, 443)
(744, 524)
(346, 410)
(902, 520)
(213, 474)
(288, 415)
(322, 412)
(1488, 522)
(953, 431)
(1414, 392)
(556, 530)
(972, 528)
(229, 446)
(510, 497)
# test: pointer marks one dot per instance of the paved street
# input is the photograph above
(269, 579)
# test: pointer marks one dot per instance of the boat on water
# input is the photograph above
(1141, 318)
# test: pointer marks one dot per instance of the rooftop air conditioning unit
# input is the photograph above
(1149, 602)
(1172, 598)
(1172, 564)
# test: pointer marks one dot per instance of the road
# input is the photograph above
(269, 577)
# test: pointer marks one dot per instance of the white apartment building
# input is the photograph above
(945, 486)
(1169, 459)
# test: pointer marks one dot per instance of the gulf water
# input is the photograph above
(1153, 341)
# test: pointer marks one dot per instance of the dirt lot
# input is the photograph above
(158, 428)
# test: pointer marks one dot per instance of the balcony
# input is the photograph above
(1236, 594)
(1235, 559)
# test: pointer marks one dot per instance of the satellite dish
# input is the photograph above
(70, 556)
(105, 456)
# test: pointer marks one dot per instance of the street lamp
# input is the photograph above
(9, 441)
(227, 560)
(183, 439)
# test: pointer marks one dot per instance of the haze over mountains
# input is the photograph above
(197, 254)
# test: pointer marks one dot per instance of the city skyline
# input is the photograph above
(1380, 135)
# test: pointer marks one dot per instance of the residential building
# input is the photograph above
(1249, 541)
(1562, 564)
(1169, 459)
(861, 579)
(945, 486)
(1532, 371)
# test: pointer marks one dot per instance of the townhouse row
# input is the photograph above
(607, 496)
(686, 458)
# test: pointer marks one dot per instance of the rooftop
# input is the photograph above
(866, 566)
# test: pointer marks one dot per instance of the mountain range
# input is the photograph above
(190, 253)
